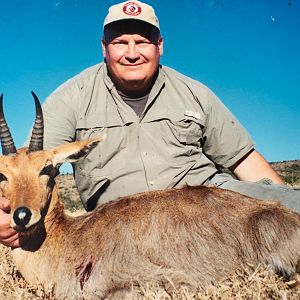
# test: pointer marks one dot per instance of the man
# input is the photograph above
(163, 129)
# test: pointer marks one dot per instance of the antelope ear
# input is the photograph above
(72, 152)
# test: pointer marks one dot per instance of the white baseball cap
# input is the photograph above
(131, 10)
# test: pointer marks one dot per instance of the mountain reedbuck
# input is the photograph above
(194, 236)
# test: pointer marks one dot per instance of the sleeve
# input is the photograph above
(226, 140)
(60, 117)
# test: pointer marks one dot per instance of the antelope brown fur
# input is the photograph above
(194, 236)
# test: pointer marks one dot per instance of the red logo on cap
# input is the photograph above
(132, 9)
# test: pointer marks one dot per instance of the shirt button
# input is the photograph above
(145, 153)
(151, 182)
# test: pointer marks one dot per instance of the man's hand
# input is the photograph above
(8, 236)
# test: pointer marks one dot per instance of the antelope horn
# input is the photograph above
(7, 142)
(36, 141)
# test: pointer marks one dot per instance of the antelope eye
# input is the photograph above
(2, 177)
(47, 170)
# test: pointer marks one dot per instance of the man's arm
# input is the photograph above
(8, 236)
(253, 167)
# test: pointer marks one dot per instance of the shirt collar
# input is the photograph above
(107, 79)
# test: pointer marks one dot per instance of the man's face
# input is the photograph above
(132, 58)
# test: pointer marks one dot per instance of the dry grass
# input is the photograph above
(245, 284)
(13, 286)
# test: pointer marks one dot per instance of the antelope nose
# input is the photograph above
(22, 216)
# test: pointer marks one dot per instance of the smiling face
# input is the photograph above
(132, 53)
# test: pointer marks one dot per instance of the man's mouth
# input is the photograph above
(132, 65)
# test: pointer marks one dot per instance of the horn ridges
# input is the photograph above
(7, 143)
(37, 135)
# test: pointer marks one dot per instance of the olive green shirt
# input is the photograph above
(181, 138)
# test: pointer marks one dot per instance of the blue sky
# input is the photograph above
(247, 52)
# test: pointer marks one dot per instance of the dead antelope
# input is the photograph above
(193, 236)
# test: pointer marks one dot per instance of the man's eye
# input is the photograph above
(119, 44)
(143, 44)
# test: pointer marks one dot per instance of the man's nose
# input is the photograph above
(132, 51)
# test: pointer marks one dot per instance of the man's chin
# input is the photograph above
(134, 84)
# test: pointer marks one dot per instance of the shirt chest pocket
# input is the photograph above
(188, 131)
(111, 146)
(89, 128)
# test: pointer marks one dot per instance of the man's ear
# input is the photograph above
(161, 46)
(103, 44)
(72, 152)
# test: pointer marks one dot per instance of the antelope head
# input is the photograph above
(27, 175)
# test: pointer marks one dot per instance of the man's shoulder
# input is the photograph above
(81, 79)
(174, 75)
(180, 83)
